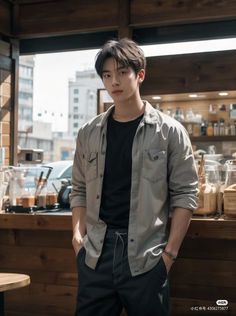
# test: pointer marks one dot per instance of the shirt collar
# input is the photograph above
(150, 115)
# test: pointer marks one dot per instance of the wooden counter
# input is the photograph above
(40, 246)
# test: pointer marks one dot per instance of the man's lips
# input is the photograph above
(117, 91)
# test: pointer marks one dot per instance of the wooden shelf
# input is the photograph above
(212, 138)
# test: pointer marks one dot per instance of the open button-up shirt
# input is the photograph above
(163, 178)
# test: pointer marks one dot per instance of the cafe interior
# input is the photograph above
(37, 260)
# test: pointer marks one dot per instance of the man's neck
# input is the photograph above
(128, 112)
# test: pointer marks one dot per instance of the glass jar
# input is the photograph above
(23, 186)
(230, 189)
(230, 169)
(41, 194)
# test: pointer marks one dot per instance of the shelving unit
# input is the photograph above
(213, 138)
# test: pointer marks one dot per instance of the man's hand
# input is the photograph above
(168, 262)
(79, 227)
(77, 242)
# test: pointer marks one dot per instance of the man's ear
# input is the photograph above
(141, 75)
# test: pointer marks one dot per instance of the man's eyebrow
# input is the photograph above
(105, 71)
(118, 68)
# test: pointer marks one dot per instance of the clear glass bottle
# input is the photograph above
(179, 114)
(190, 116)
(222, 128)
(216, 129)
(232, 129)
(226, 129)
(203, 128)
(210, 129)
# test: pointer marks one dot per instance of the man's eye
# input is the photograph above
(105, 76)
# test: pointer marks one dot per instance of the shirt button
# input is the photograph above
(132, 240)
(101, 175)
(98, 196)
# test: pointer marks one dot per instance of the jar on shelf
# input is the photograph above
(179, 114)
(230, 189)
(230, 176)
(216, 129)
(208, 188)
(210, 129)
(222, 128)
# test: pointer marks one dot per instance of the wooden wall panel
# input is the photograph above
(5, 98)
(63, 17)
(190, 73)
(49, 259)
(44, 299)
(5, 18)
(168, 12)
(204, 272)
(43, 18)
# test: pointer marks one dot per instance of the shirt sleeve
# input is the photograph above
(78, 193)
(182, 174)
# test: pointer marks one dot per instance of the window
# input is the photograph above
(25, 95)
(189, 47)
(67, 173)
(45, 81)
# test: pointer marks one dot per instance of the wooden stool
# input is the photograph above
(11, 281)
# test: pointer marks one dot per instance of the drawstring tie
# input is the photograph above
(119, 237)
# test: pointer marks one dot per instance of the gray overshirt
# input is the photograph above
(163, 177)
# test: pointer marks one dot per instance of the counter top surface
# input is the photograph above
(200, 227)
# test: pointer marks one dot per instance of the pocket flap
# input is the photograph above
(92, 156)
(154, 154)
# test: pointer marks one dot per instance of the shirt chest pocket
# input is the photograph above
(91, 161)
(154, 165)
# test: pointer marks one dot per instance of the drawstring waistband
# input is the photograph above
(119, 242)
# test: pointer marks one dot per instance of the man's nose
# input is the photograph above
(115, 80)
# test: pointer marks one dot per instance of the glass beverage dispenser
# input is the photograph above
(230, 189)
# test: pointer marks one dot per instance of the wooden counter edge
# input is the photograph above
(62, 222)
(199, 227)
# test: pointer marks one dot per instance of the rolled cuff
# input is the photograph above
(188, 203)
(78, 202)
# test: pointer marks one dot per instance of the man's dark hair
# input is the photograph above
(125, 51)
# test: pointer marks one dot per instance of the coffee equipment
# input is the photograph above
(64, 194)
(29, 190)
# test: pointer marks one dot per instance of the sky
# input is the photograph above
(53, 71)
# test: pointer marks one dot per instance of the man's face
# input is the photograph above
(121, 82)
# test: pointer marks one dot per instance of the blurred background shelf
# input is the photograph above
(212, 138)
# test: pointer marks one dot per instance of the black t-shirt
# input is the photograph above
(115, 202)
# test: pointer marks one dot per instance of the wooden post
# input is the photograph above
(124, 29)
(14, 101)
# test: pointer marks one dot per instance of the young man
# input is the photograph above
(133, 167)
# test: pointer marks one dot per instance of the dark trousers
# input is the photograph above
(110, 287)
